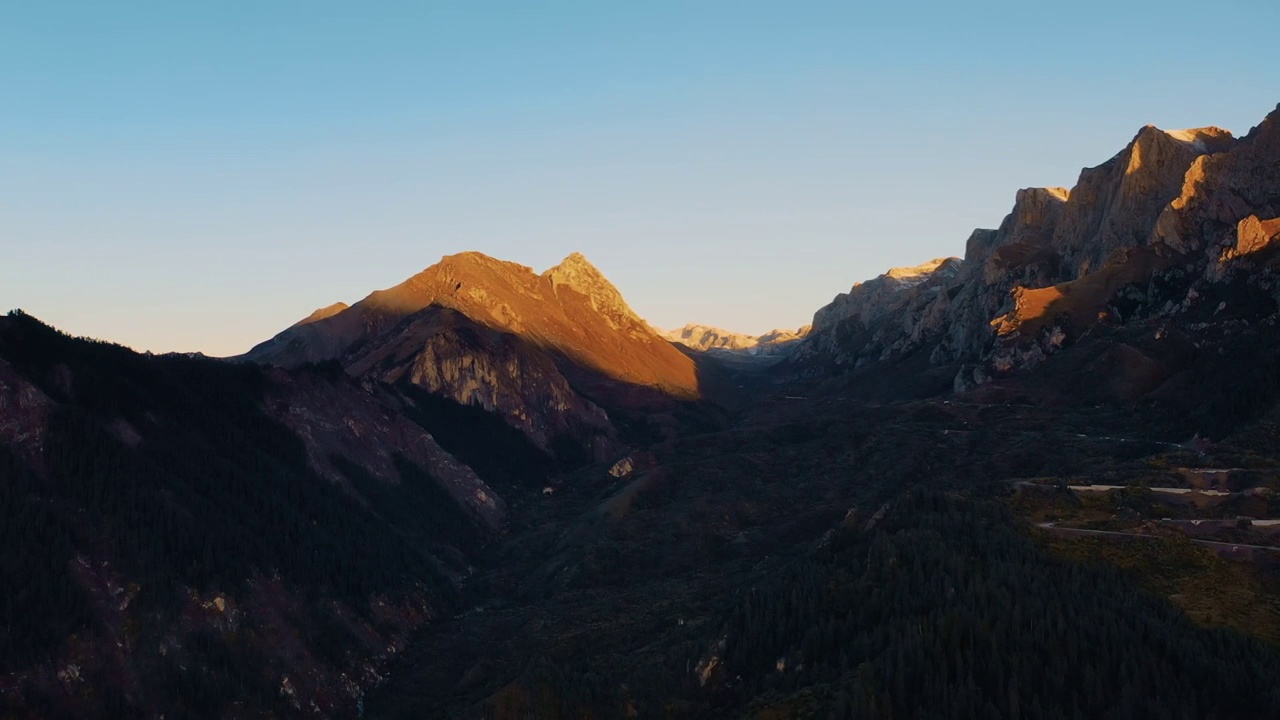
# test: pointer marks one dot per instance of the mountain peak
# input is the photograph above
(1208, 139)
(1267, 131)
(577, 259)
(578, 274)
(476, 259)
(1059, 193)
(570, 308)
(916, 274)
(574, 266)
(469, 266)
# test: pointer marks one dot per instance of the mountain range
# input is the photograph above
(711, 339)
(493, 492)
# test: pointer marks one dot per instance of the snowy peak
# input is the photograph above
(705, 338)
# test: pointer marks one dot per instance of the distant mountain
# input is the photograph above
(554, 354)
(705, 338)
(868, 305)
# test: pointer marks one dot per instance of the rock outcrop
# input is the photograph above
(1116, 205)
(24, 415)
(338, 418)
(1219, 190)
(871, 300)
(444, 352)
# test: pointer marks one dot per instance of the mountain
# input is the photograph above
(489, 492)
(868, 306)
(705, 338)
(570, 309)
(193, 537)
(876, 533)
(554, 354)
(1148, 238)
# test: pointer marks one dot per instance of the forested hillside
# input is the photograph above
(172, 551)
(846, 561)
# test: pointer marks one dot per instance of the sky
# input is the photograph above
(184, 176)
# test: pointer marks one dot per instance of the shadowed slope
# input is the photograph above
(189, 535)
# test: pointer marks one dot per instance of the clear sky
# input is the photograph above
(199, 175)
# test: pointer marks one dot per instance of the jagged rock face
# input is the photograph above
(871, 300)
(881, 316)
(705, 338)
(578, 275)
(1249, 241)
(1116, 204)
(444, 352)
(1096, 242)
(1111, 249)
(1220, 190)
(1253, 235)
(1030, 224)
(1020, 253)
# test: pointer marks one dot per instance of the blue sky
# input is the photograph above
(197, 176)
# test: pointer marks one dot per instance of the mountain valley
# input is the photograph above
(1035, 481)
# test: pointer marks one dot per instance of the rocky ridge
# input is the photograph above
(1137, 237)
(861, 318)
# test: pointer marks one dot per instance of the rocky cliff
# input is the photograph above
(335, 418)
(446, 353)
(878, 318)
(1124, 244)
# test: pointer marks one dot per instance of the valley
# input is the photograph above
(637, 600)
(1038, 481)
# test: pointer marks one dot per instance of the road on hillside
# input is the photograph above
(1052, 527)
